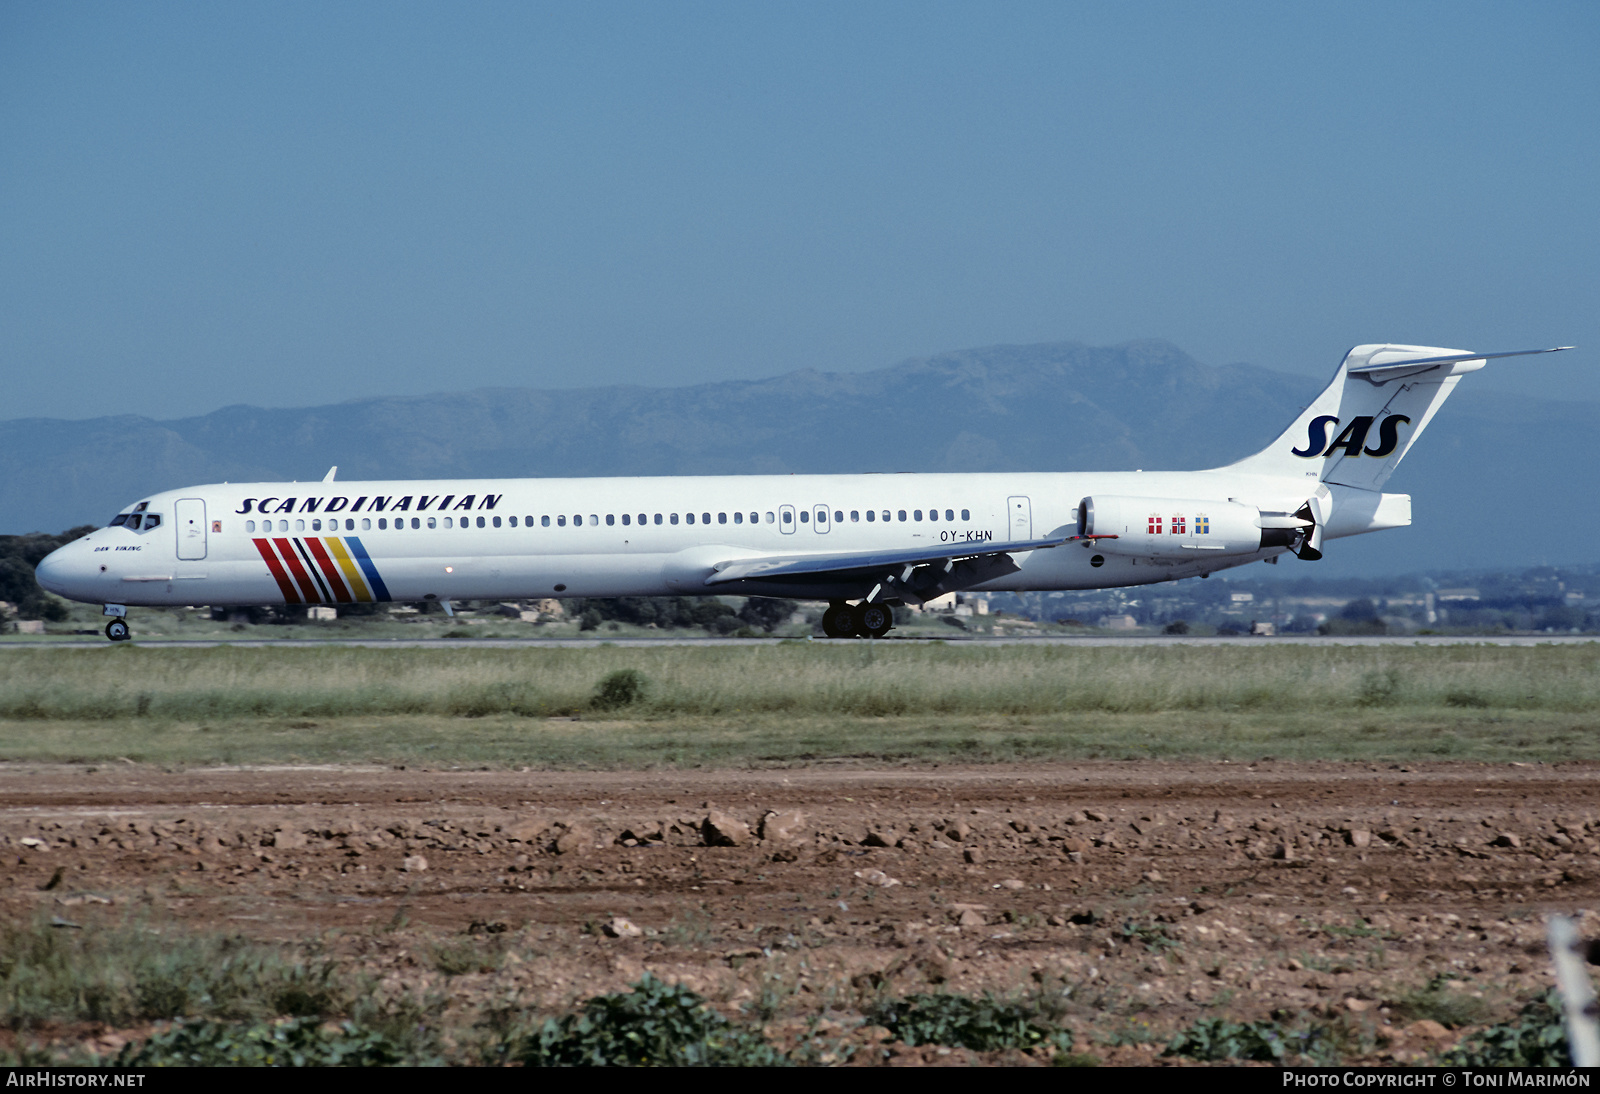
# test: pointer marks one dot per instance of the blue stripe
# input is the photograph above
(379, 589)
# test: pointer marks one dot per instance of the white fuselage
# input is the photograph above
(335, 542)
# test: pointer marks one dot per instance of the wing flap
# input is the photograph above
(773, 566)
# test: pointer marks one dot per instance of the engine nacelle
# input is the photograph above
(1182, 528)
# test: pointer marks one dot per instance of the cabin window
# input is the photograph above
(674, 518)
(561, 520)
(448, 523)
(594, 520)
(528, 521)
(316, 526)
(902, 514)
(511, 520)
(349, 524)
(366, 524)
(544, 522)
(933, 514)
(805, 517)
(497, 522)
(383, 524)
(299, 526)
(738, 518)
(705, 518)
(769, 517)
(625, 519)
(855, 516)
(916, 514)
(249, 525)
(722, 518)
(872, 514)
(688, 518)
(611, 519)
(838, 516)
(966, 514)
(643, 521)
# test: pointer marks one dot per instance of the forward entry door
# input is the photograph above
(189, 517)
(1020, 527)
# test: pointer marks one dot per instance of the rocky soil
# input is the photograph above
(1128, 899)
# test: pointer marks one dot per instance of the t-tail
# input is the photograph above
(1359, 429)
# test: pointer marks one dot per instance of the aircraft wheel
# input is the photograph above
(872, 620)
(117, 630)
(838, 622)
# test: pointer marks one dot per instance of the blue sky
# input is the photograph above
(286, 204)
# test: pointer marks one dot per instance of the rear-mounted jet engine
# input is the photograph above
(1183, 528)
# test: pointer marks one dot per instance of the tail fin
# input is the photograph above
(1358, 430)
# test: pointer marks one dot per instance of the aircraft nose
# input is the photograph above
(60, 570)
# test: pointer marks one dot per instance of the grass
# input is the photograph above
(794, 702)
(123, 974)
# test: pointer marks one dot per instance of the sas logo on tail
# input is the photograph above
(1350, 440)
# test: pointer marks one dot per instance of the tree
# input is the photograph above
(18, 557)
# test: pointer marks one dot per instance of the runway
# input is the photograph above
(1086, 641)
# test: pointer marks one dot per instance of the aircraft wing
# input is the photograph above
(853, 563)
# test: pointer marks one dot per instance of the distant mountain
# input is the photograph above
(1497, 480)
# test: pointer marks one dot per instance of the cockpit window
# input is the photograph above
(119, 519)
(151, 520)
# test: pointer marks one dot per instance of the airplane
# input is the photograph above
(864, 543)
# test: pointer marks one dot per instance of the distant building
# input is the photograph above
(322, 614)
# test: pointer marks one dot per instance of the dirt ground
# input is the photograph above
(1139, 897)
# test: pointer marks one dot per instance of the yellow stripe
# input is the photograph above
(352, 572)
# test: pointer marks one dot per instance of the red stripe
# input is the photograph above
(330, 571)
(271, 559)
(303, 579)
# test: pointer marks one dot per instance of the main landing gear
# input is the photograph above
(117, 630)
(862, 620)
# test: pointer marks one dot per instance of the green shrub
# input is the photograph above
(654, 1025)
(622, 688)
(1220, 1039)
(983, 1025)
(1538, 1038)
(298, 1042)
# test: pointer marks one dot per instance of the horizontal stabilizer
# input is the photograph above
(1379, 371)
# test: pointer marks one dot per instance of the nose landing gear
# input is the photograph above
(117, 630)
